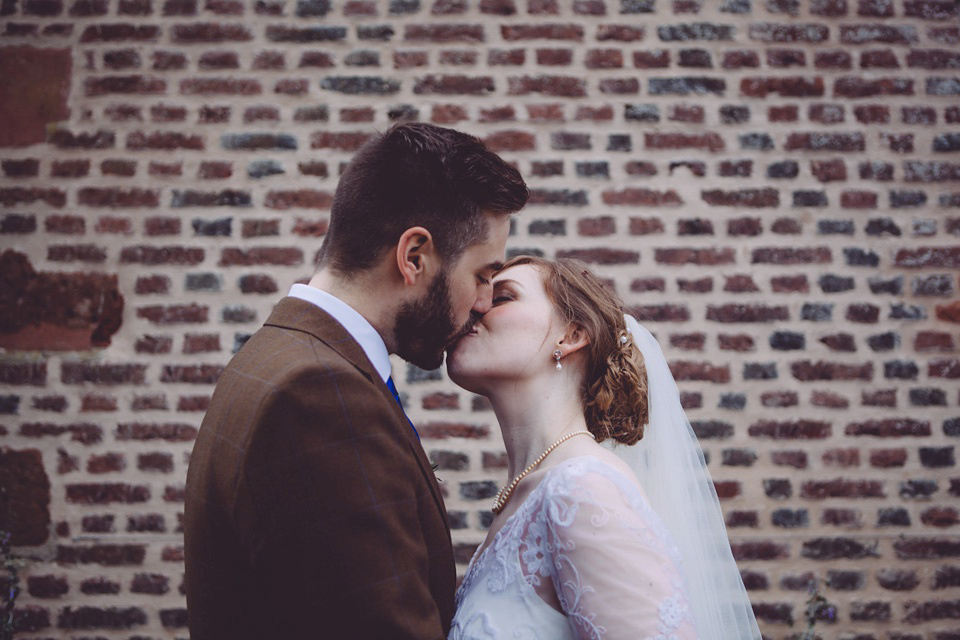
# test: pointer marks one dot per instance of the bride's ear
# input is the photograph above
(575, 339)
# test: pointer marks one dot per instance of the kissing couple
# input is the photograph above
(311, 508)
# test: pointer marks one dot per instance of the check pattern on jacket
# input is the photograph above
(311, 509)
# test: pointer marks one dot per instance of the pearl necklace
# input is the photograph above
(504, 494)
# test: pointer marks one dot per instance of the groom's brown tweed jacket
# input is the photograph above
(311, 510)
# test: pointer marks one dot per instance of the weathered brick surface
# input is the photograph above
(772, 186)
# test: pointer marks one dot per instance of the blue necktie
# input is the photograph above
(396, 396)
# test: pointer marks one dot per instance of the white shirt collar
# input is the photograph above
(355, 324)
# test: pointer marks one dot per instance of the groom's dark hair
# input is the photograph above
(417, 174)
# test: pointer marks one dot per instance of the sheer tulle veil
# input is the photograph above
(670, 466)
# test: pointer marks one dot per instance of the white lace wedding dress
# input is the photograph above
(584, 556)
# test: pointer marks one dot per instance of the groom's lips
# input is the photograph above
(472, 331)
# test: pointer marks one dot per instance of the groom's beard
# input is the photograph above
(425, 327)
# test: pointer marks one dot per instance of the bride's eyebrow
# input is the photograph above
(505, 282)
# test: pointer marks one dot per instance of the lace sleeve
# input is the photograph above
(613, 568)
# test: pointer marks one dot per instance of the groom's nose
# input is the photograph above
(484, 300)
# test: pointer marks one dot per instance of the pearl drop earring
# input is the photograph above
(557, 354)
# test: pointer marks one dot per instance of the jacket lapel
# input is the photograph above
(300, 315)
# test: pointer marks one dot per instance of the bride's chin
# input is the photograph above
(461, 376)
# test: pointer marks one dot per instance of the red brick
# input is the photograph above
(592, 227)
(152, 284)
(842, 458)
(300, 199)
(928, 257)
(603, 59)
(554, 57)
(791, 256)
(341, 141)
(940, 517)
(842, 488)
(787, 87)
(806, 370)
(934, 341)
(169, 432)
(619, 33)
(193, 403)
(740, 284)
(165, 169)
(889, 428)
(785, 113)
(438, 33)
(161, 226)
(67, 225)
(602, 256)
(96, 403)
(158, 461)
(707, 141)
(656, 59)
(107, 493)
(857, 87)
(704, 257)
(634, 197)
(561, 86)
(76, 253)
(641, 285)
(727, 489)
(107, 555)
(779, 399)
(759, 550)
(220, 86)
(174, 314)
(684, 370)
(201, 343)
(796, 459)
(948, 368)
(740, 59)
(440, 401)
(645, 226)
(151, 255)
(401, 59)
(949, 312)
(790, 429)
(511, 140)
(69, 168)
(753, 198)
(545, 112)
(518, 32)
(272, 60)
(209, 33)
(23, 196)
(673, 313)
(444, 430)
(310, 228)
(828, 170)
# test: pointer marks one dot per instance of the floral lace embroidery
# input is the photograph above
(535, 544)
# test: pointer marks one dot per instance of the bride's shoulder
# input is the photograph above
(599, 471)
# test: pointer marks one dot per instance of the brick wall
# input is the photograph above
(772, 185)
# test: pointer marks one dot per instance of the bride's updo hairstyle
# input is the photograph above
(614, 389)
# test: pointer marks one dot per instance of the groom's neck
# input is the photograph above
(369, 293)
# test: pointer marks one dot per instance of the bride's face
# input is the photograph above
(514, 340)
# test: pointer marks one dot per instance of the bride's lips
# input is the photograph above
(456, 341)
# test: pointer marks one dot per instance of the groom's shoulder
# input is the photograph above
(277, 353)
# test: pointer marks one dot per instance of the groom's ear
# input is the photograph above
(415, 250)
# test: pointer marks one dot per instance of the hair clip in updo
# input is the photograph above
(623, 339)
